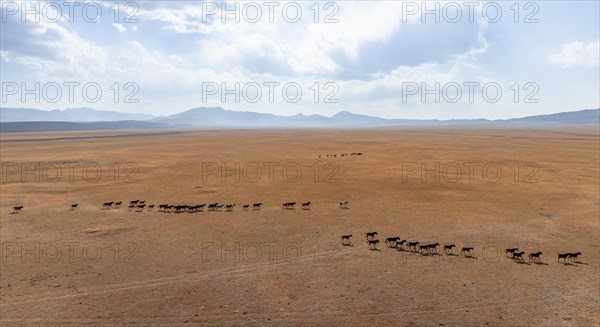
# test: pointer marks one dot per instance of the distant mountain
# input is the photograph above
(589, 116)
(48, 126)
(217, 117)
(348, 118)
(67, 115)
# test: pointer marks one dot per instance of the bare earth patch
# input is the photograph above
(272, 266)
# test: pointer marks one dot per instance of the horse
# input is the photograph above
(448, 247)
(370, 234)
(343, 204)
(373, 244)
(433, 246)
(413, 245)
(346, 239)
(467, 249)
(391, 241)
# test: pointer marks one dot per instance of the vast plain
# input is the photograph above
(489, 188)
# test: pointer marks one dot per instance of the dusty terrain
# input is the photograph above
(278, 267)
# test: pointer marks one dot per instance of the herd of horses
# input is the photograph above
(140, 205)
(290, 205)
(432, 248)
(394, 242)
(341, 155)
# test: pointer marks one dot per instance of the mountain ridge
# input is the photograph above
(76, 115)
(217, 117)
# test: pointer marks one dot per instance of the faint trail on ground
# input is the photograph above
(259, 317)
(218, 272)
(165, 280)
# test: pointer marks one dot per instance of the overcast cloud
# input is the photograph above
(367, 57)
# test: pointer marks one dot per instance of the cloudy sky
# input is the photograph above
(384, 58)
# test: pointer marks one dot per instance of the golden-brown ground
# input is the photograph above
(287, 267)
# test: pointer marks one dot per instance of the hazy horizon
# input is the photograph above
(151, 116)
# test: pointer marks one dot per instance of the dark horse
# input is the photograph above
(370, 234)
(346, 239)
(373, 244)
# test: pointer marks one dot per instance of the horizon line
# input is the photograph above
(297, 114)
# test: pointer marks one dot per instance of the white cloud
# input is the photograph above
(370, 53)
(49, 47)
(577, 53)
(307, 52)
(176, 58)
(119, 27)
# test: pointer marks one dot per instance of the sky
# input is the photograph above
(392, 59)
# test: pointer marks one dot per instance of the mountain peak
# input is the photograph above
(343, 113)
(207, 109)
(82, 109)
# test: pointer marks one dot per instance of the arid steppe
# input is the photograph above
(535, 189)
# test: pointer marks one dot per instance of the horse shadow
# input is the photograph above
(428, 254)
(452, 254)
(347, 244)
(540, 263)
(522, 262)
(569, 264)
(375, 249)
(580, 263)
